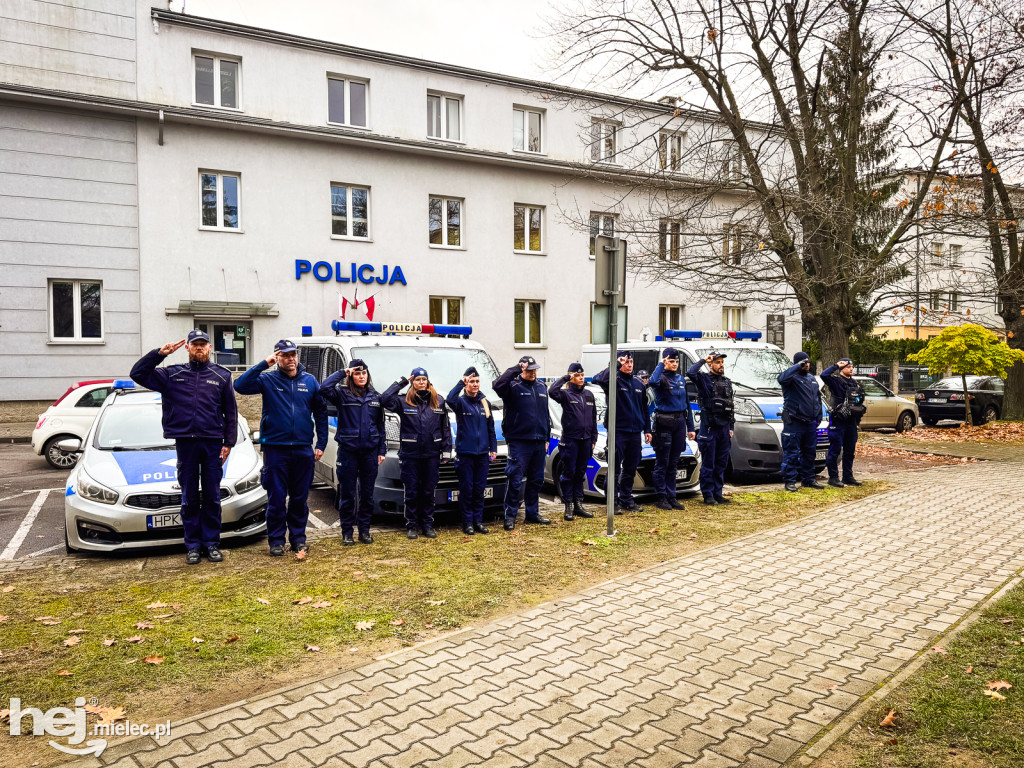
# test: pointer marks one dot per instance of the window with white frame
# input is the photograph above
(219, 200)
(670, 233)
(216, 81)
(670, 316)
(527, 225)
(526, 129)
(445, 222)
(76, 310)
(670, 150)
(604, 136)
(350, 211)
(954, 254)
(732, 162)
(953, 299)
(934, 299)
(444, 116)
(732, 318)
(529, 322)
(732, 244)
(347, 102)
(445, 310)
(938, 253)
(600, 224)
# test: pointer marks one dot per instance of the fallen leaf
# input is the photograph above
(76, 614)
(939, 649)
(435, 602)
(374, 576)
(654, 530)
(131, 661)
(262, 601)
(44, 618)
(302, 601)
(357, 573)
(198, 640)
(4, 714)
(78, 631)
(232, 639)
(364, 625)
(93, 709)
(334, 594)
(589, 543)
(397, 622)
(109, 643)
(143, 625)
(322, 604)
(353, 649)
(136, 639)
(64, 673)
(313, 648)
(998, 685)
(109, 715)
(154, 659)
(969, 670)
(1006, 621)
(692, 536)
(889, 720)
(164, 616)
(3, 618)
(994, 695)
(53, 623)
(300, 555)
(8, 588)
(72, 641)
(157, 604)
(429, 625)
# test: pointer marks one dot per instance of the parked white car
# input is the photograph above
(71, 415)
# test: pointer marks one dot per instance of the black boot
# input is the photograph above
(675, 504)
(814, 484)
(663, 504)
(347, 540)
(853, 481)
(792, 487)
(365, 537)
(480, 528)
(834, 482)
(568, 511)
(429, 532)
(579, 511)
(468, 530)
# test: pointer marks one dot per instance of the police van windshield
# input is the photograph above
(445, 365)
(131, 428)
(753, 368)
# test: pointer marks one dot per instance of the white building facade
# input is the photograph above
(164, 172)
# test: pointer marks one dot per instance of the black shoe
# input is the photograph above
(192, 557)
(468, 530)
(709, 501)
(411, 534)
(792, 487)
(277, 550)
(631, 507)
(854, 482)
(835, 483)
(568, 515)
(213, 554)
(301, 550)
(675, 504)
(429, 532)
(723, 500)
(347, 540)
(539, 521)
(617, 509)
(815, 485)
(365, 537)
(480, 528)
(663, 504)
(510, 525)
(579, 511)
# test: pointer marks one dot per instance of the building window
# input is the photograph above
(732, 318)
(347, 102)
(953, 299)
(526, 127)
(600, 224)
(670, 150)
(76, 310)
(445, 310)
(954, 254)
(732, 163)
(669, 240)
(603, 141)
(732, 245)
(217, 81)
(445, 217)
(670, 316)
(529, 322)
(219, 200)
(934, 299)
(350, 211)
(937, 251)
(527, 221)
(444, 117)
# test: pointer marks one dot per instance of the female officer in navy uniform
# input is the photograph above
(476, 446)
(425, 434)
(579, 436)
(361, 445)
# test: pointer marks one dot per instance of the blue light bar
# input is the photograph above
(124, 384)
(737, 335)
(451, 330)
(307, 330)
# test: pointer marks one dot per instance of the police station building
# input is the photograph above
(160, 172)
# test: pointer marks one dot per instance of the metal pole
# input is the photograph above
(917, 273)
(613, 347)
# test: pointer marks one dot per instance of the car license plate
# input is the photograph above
(454, 495)
(681, 474)
(820, 455)
(167, 520)
(936, 399)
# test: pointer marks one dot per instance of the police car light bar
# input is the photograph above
(124, 384)
(392, 328)
(737, 335)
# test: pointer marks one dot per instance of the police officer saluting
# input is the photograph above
(527, 428)
(200, 414)
(673, 422)
(847, 411)
(476, 446)
(291, 408)
(632, 420)
(801, 412)
(579, 436)
(717, 420)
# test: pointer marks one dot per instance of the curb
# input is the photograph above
(8, 439)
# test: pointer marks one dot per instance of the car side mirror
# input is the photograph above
(70, 445)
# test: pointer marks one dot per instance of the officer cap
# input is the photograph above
(418, 372)
(718, 355)
(575, 368)
(471, 371)
(285, 345)
(670, 353)
(799, 357)
(643, 375)
(357, 365)
(197, 335)
(625, 353)
(531, 364)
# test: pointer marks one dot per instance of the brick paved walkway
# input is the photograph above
(735, 656)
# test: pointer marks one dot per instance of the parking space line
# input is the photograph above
(26, 525)
(44, 551)
(317, 522)
(8, 498)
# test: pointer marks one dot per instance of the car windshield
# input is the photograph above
(954, 382)
(131, 428)
(753, 368)
(445, 365)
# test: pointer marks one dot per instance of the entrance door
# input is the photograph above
(231, 341)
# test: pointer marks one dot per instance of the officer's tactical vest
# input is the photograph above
(721, 406)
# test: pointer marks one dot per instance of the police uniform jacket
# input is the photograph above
(425, 432)
(474, 424)
(800, 395)
(670, 396)
(526, 406)
(198, 400)
(842, 389)
(291, 407)
(706, 384)
(579, 410)
(360, 417)
(631, 403)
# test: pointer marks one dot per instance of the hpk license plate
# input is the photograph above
(820, 455)
(166, 520)
(936, 399)
(454, 495)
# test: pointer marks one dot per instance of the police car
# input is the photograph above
(123, 493)
(753, 366)
(596, 480)
(391, 351)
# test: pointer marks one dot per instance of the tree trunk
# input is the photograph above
(833, 339)
(967, 401)
(1013, 398)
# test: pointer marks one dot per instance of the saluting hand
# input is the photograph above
(170, 347)
(271, 358)
(709, 359)
(465, 380)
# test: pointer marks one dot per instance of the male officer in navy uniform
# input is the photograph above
(717, 421)
(291, 409)
(632, 419)
(673, 423)
(847, 411)
(801, 412)
(527, 429)
(578, 438)
(200, 415)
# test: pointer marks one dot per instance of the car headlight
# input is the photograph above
(90, 489)
(251, 483)
(744, 406)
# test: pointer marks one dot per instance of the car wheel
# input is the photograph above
(57, 458)
(906, 422)
(991, 413)
(929, 422)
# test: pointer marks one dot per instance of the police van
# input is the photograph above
(391, 351)
(753, 366)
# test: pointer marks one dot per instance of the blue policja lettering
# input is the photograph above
(362, 273)
(301, 266)
(324, 271)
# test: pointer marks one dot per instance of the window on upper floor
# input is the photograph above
(732, 318)
(527, 228)
(670, 150)
(526, 129)
(444, 116)
(528, 325)
(934, 299)
(219, 200)
(445, 222)
(445, 310)
(670, 316)
(732, 244)
(938, 253)
(347, 101)
(217, 81)
(732, 161)
(604, 139)
(670, 239)
(350, 212)
(954, 254)
(600, 224)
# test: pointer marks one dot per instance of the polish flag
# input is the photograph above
(342, 306)
(368, 305)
